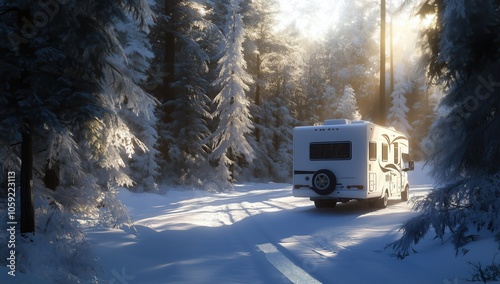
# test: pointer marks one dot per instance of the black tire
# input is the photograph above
(379, 202)
(324, 182)
(405, 194)
(382, 201)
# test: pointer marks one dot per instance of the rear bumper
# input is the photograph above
(337, 194)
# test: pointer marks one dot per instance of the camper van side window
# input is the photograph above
(396, 153)
(372, 151)
(330, 151)
(385, 152)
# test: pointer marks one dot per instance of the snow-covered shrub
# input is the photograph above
(461, 209)
(487, 273)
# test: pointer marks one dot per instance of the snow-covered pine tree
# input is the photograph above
(276, 145)
(186, 129)
(463, 48)
(277, 122)
(262, 47)
(351, 53)
(268, 55)
(329, 100)
(312, 84)
(185, 41)
(55, 73)
(282, 140)
(230, 141)
(134, 62)
(397, 116)
(346, 106)
(287, 84)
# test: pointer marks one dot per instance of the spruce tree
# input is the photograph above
(346, 106)
(230, 141)
(397, 116)
(464, 53)
(352, 53)
(63, 82)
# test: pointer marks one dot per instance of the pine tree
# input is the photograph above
(268, 55)
(351, 53)
(312, 84)
(329, 100)
(186, 43)
(62, 86)
(230, 140)
(346, 106)
(185, 128)
(138, 115)
(463, 48)
(397, 116)
(172, 21)
(261, 48)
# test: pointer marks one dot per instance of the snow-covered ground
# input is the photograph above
(259, 233)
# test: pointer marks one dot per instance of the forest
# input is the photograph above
(98, 95)
(198, 93)
(244, 79)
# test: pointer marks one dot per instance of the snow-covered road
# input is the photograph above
(259, 233)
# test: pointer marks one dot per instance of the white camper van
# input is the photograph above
(344, 160)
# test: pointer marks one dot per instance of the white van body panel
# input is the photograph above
(342, 147)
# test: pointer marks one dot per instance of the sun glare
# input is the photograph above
(313, 18)
(428, 21)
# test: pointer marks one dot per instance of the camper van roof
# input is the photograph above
(336, 124)
(339, 122)
(343, 121)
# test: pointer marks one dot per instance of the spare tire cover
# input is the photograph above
(324, 182)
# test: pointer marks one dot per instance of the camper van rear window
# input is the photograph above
(330, 151)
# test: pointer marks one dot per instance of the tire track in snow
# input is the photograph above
(291, 271)
(255, 237)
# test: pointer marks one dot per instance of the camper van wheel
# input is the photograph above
(324, 182)
(405, 194)
(379, 202)
(383, 201)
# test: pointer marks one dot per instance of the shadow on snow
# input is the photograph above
(317, 240)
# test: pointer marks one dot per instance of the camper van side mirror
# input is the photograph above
(411, 166)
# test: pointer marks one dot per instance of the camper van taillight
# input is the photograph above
(355, 186)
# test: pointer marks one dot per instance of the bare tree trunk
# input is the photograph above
(166, 92)
(391, 89)
(258, 97)
(382, 112)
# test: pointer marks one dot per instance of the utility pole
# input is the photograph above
(382, 112)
